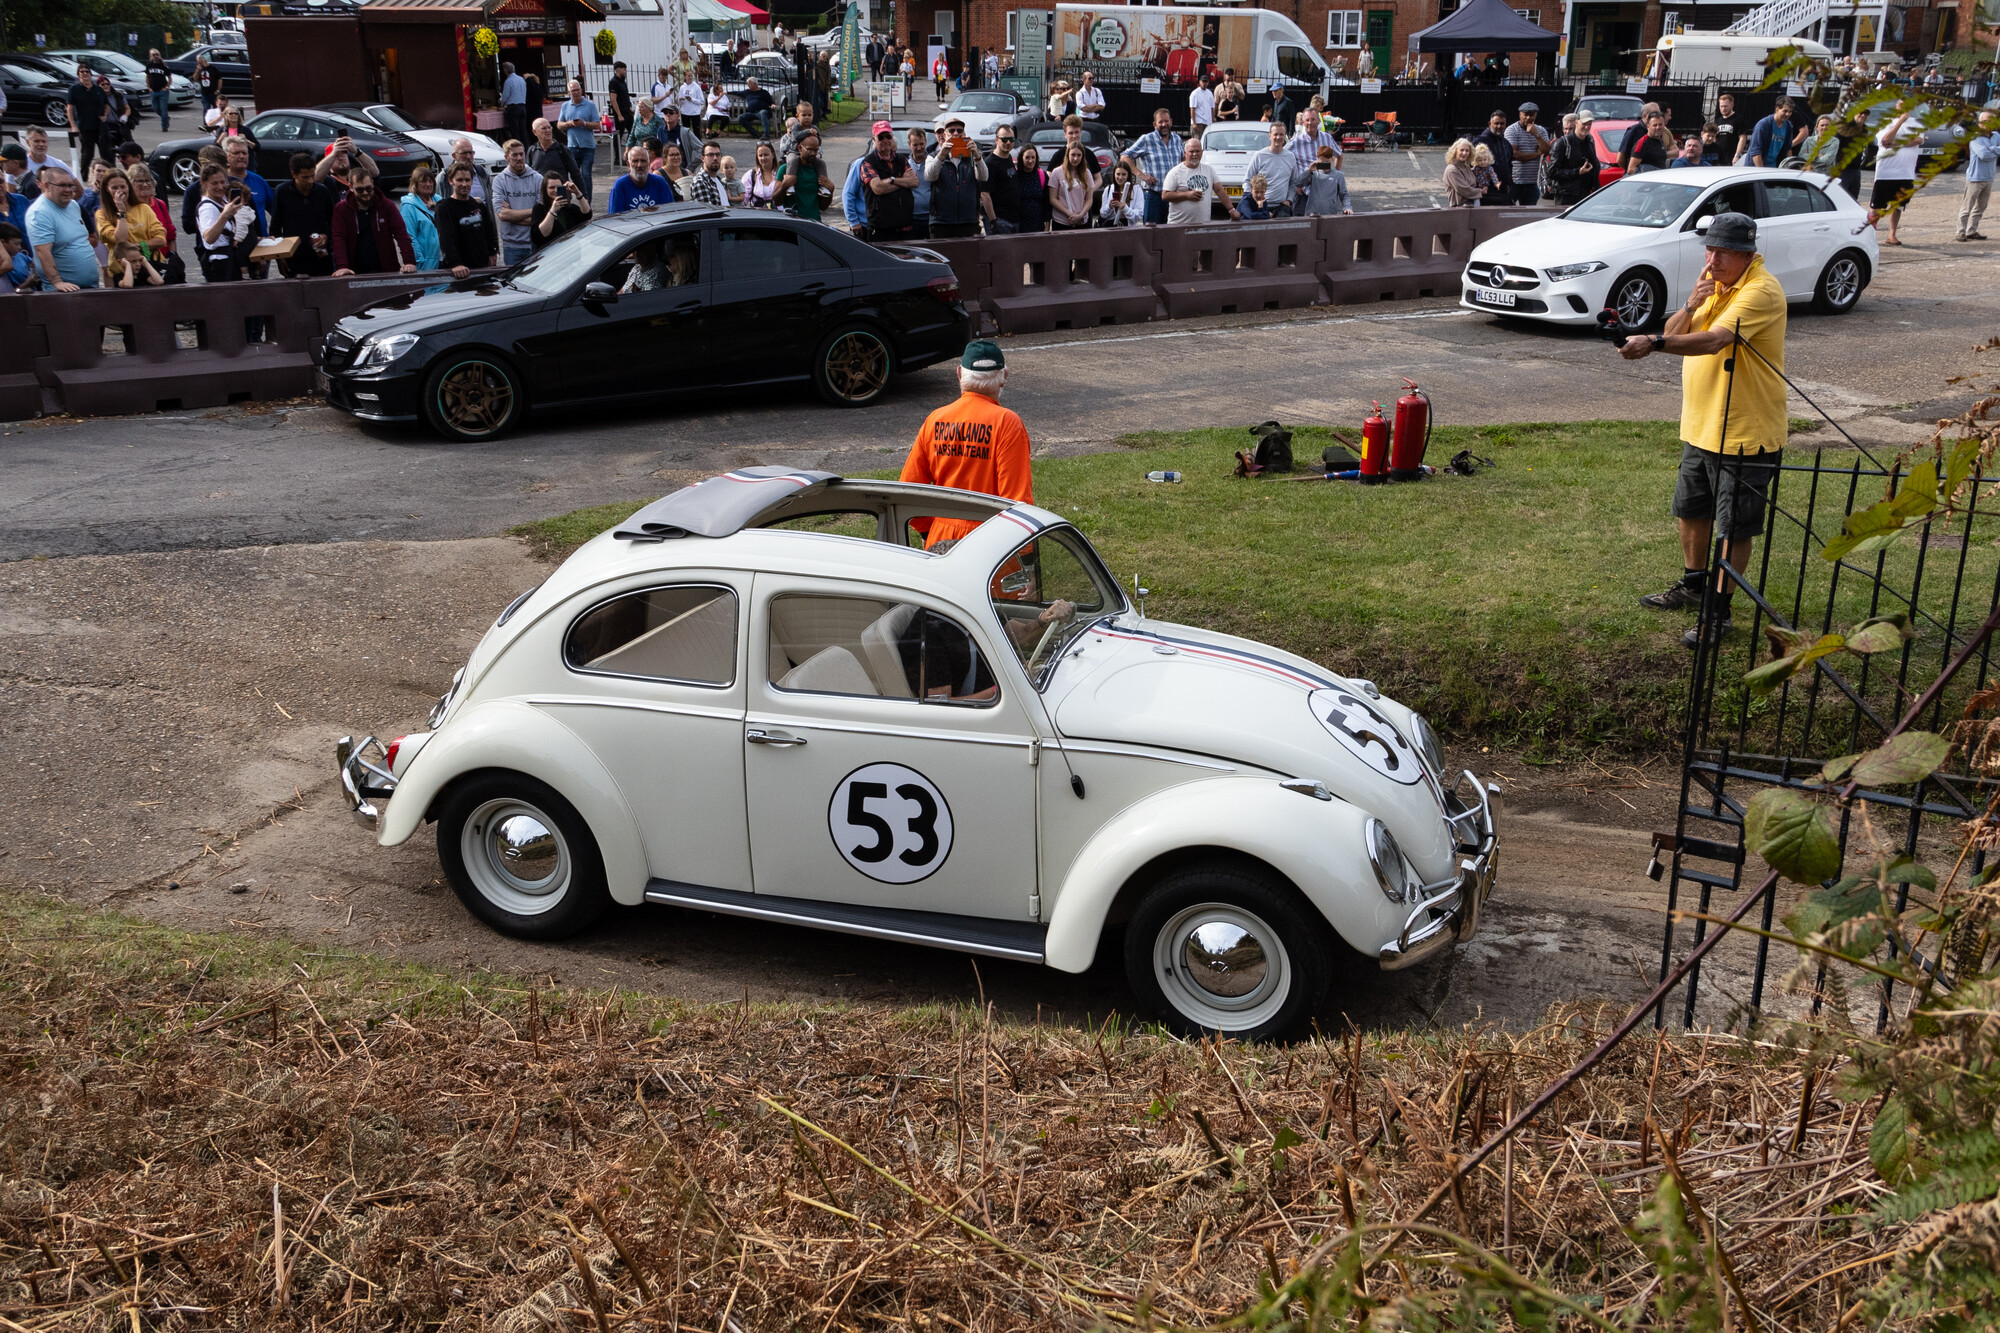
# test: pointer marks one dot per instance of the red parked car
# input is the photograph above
(1608, 134)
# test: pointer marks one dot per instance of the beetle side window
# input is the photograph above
(875, 649)
(683, 633)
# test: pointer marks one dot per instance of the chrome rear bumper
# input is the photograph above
(1452, 914)
(363, 782)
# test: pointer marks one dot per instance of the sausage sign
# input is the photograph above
(890, 822)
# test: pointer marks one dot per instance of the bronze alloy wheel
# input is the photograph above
(855, 367)
(475, 398)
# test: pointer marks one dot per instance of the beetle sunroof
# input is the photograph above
(721, 506)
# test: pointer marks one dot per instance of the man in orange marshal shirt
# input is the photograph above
(973, 444)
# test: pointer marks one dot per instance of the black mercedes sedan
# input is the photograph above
(681, 299)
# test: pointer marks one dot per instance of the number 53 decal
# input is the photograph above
(890, 822)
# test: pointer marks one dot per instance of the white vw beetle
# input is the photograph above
(762, 697)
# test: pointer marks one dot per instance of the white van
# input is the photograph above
(1725, 56)
(1124, 44)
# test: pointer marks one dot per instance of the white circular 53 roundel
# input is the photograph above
(890, 822)
(1366, 734)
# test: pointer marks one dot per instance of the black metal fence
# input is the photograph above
(1946, 577)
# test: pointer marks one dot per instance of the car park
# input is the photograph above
(285, 131)
(761, 697)
(983, 112)
(761, 299)
(230, 63)
(1048, 138)
(1636, 247)
(389, 116)
(34, 96)
(127, 75)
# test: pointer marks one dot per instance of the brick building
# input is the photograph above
(1339, 29)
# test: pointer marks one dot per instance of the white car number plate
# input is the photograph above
(1488, 296)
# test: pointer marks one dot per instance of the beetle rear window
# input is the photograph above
(681, 633)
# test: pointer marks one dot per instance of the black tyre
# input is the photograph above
(854, 366)
(1226, 949)
(1840, 283)
(520, 857)
(1640, 299)
(472, 396)
(184, 172)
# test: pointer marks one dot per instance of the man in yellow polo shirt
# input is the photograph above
(1732, 410)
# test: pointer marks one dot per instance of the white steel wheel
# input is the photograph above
(1230, 948)
(516, 856)
(1222, 968)
(519, 856)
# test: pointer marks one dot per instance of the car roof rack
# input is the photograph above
(721, 506)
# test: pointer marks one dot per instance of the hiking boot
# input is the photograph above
(1712, 631)
(1676, 596)
(1975, 236)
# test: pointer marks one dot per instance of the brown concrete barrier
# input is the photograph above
(1394, 256)
(1225, 269)
(183, 347)
(1043, 281)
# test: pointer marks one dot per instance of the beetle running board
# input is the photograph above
(1022, 940)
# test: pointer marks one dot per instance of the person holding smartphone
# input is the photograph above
(955, 172)
(561, 210)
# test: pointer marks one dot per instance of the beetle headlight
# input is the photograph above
(381, 350)
(1564, 272)
(1392, 872)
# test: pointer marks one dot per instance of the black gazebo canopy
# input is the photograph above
(1484, 25)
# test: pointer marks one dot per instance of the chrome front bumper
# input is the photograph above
(363, 782)
(1449, 912)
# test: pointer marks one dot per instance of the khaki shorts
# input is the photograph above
(1730, 489)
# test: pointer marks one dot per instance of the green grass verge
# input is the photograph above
(845, 110)
(1503, 605)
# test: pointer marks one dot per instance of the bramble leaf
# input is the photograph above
(1901, 759)
(1764, 679)
(1794, 835)
(1881, 633)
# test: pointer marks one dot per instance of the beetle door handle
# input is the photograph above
(758, 736)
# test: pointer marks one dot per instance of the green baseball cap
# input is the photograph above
(983, 354)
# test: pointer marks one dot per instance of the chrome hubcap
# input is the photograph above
(857, 366)
(1635, 303)
(184, 172)
(1843, 281)
(1222, 968)
(476, 398)
(516, 856)
(1225, 960)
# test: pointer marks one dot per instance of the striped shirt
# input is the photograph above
(1305, 146)
(1155, 155)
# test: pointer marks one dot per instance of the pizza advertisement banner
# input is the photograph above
(1124, 45)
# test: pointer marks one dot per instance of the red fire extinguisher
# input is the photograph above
(1374, 449)
(1413, 435)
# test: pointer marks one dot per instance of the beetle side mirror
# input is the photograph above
(600, 292)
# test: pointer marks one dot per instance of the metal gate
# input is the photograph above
(1946, 577)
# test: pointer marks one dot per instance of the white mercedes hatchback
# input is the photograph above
(761, 696)
(1635, 247)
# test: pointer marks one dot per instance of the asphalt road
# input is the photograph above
(300, 472)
